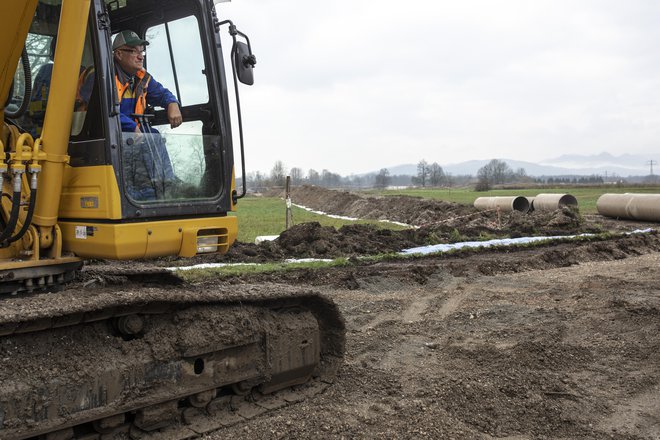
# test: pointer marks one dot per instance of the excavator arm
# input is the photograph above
(15, 25)
(38, 164)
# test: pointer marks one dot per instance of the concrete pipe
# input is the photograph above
(506, 204)
(631, 206)
(551, 202)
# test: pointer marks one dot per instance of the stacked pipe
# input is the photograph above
(542, 202)
(630, 206)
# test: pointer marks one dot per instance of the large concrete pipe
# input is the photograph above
(632, 206)
(551, 202)
(507, 204)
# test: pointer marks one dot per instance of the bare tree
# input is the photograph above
(422, 172)
(382, 179)
(313, 177)
(330, 179)
(495, 172)
(278, 174)
(436, 175)
(483, 180)
(297, 174)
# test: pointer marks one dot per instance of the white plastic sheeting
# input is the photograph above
(262, 238)
(424, 250)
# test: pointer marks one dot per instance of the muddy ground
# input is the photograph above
(560, 341)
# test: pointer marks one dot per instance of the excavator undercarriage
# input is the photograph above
(159, 363)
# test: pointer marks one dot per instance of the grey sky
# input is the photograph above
(354, 86)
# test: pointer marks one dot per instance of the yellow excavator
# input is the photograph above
(139, 362)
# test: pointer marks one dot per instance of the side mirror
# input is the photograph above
(244, 63)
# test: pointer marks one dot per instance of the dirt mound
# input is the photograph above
(405, 209)
(437, 216)
(314, 240)
(311, 240)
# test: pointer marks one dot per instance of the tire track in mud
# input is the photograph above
(419, 303)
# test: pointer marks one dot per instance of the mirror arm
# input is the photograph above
(233, 32)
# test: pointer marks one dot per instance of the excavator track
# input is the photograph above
(166, 362)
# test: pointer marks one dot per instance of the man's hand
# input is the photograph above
(174, 115)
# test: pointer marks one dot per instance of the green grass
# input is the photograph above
(266, 216)
(199, 275)
(586, 196)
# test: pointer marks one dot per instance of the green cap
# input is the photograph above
(128, 38)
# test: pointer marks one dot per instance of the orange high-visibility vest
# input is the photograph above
(141, 100)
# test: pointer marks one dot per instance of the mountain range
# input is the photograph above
(603, 164)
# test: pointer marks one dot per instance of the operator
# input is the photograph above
(136, 89)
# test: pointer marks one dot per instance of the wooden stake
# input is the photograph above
(289, 220)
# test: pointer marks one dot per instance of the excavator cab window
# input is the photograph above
(40, 50)
(165, 164)
(40, 47)
(87, 142)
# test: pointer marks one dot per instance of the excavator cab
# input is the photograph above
(117, 194)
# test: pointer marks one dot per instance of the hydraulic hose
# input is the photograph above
(27, 75)
(28, 218)
(15, 208)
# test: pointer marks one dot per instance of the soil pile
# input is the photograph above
(441, 217)
(437, 222)
(311, 240)
(405, 209)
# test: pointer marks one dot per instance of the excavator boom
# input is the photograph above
(12, 38)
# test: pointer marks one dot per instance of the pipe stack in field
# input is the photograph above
(542, 202)
(630, 206)
(505, 204)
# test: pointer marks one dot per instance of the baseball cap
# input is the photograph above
(128, 38)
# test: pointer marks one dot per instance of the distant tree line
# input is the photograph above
(498, 172)
(258, 181)
(431, 175)
(594, 179)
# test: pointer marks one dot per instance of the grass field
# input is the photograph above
(266, 216)
(586, 196)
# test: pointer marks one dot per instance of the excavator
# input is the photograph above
(134, 361)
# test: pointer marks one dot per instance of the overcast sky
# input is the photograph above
(354, 86)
